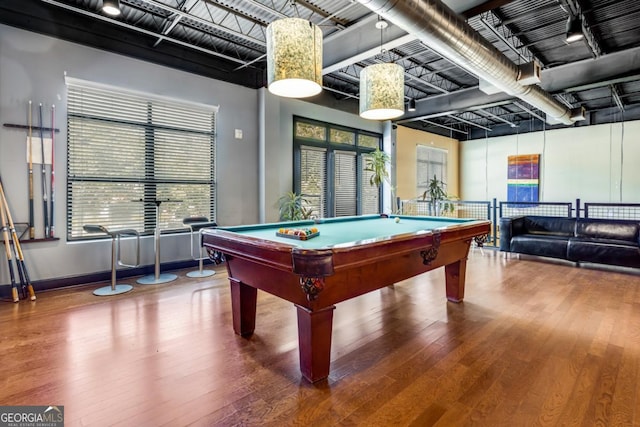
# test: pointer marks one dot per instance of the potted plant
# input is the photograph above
(291, 207)
(376, 162)
(439, 200)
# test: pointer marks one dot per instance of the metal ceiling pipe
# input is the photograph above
(442, 30)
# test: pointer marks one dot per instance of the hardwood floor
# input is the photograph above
(534, 344)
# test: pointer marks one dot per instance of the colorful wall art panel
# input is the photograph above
(523, 180)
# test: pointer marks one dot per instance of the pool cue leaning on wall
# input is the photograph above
(22, 268)
(5, 235)
(32, 228)
(45, 204)
(52, 189)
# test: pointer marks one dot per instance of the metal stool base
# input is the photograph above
(151, 279)
(108, 290)
(203, 273)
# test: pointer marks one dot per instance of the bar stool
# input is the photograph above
(196, 224)
(156, 278)
(115, 289)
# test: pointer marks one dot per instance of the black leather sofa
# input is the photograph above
(601, 241)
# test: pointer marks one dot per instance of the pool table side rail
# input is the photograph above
(251, 248)
(322, 261)
(401, 244)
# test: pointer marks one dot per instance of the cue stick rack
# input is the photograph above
(26, 224)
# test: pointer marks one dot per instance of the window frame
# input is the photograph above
(156, 136)
(429, 166)
(331, 148)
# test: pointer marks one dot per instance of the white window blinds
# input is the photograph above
(370, 193)
(124, 148)
(313, 179)
(345, 183)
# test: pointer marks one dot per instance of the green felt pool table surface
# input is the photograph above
(336, 232)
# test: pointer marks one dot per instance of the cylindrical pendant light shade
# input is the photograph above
(294, 58)
(382, 92)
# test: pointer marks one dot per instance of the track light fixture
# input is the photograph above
(412, 105)
(111, 7)
(574, 29)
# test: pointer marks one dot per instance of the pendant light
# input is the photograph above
(294, 58)
(382, 88)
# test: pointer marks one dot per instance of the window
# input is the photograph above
(313, 179)
(125, 149)
(431, 161)
(329, 169)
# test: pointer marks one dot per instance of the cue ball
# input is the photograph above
(397, 220)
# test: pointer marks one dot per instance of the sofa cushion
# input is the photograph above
(608, 229)
(540, 245)
(604, 251)
(549, 225)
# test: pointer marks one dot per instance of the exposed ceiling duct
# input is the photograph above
(442, 30)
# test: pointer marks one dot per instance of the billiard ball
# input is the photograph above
(397, 220)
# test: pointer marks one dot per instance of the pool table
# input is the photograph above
(349, 257)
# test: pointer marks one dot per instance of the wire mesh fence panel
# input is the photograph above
(561, 209)
(449, 209)
(629, 211)
(414, 207)
(486, 209)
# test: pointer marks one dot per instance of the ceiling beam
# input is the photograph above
(315, 9)
(234, 12)
(429, 122)
(173, 20)
(187, 15)
(469, 122)
(362, 39)
(590, 73)
(484, 7)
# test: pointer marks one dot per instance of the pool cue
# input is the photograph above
(5, 234)
(15, 253)
(53, 174)
(45, 205)
(22, 268)
(32, 228)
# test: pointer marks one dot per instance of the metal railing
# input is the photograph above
(612, 210)
(452, 209)
(536, 208)
(493, 210)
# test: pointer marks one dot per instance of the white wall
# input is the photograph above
(594, 164)
(32, 67)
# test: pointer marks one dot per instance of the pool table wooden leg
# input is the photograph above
(243, 306)
(455, 275)
(314, 342)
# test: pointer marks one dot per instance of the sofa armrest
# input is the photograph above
(509, 227)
